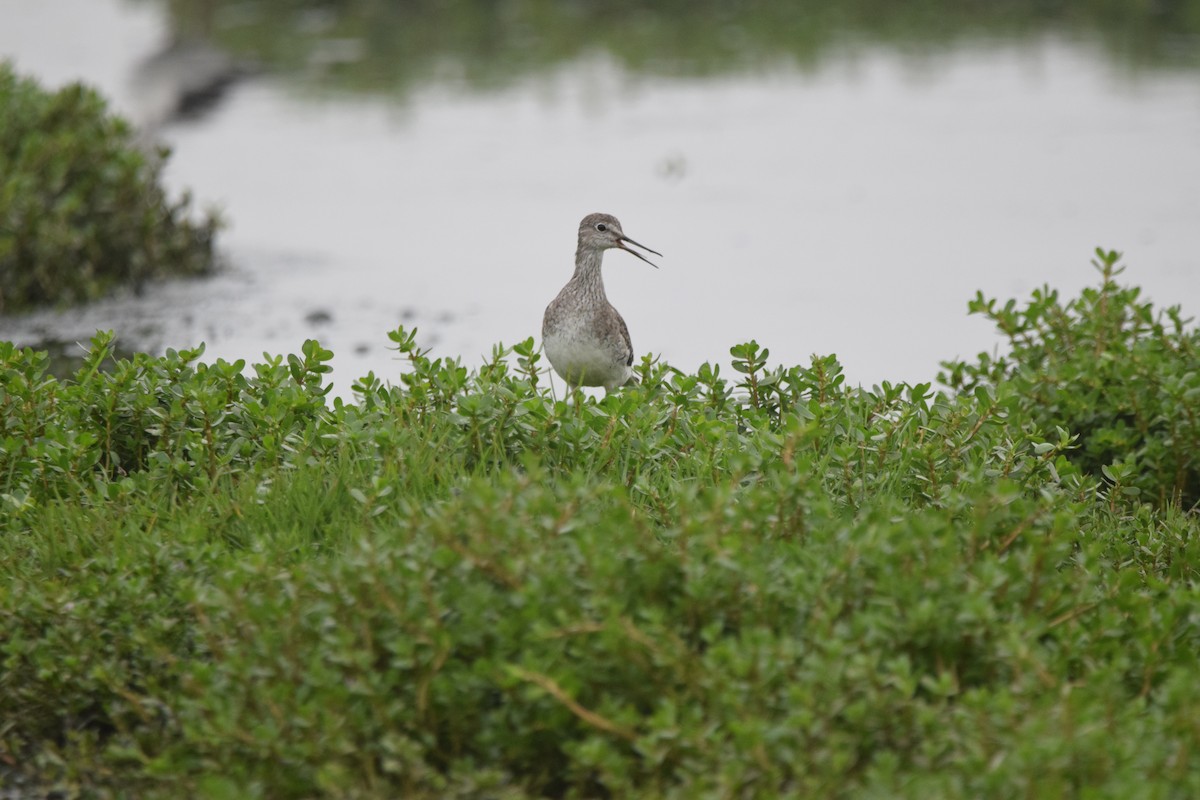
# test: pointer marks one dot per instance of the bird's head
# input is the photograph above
(603, 231)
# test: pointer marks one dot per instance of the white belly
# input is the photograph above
(585, 361)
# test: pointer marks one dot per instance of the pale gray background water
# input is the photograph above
(852, 206)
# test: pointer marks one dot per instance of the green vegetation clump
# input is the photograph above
(81, 206)
(1123, 378)
(217, 584)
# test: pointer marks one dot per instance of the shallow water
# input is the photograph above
(852, 207)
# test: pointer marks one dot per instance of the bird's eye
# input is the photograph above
(600, 226)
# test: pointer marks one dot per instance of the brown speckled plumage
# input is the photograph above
(585, 338)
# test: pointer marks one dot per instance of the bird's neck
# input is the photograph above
(587, 278)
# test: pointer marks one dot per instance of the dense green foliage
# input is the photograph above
(1107, 367)
(220, 585)
(81, 206)
(372, 45)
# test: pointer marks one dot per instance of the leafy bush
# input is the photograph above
(149, 424)
(1108, 368)
(217, 585)
(81, 207)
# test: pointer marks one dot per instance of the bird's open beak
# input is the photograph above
(621, 244)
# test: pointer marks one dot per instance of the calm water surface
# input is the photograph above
(853, 207)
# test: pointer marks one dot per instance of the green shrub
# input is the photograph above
(159, 425)
(215, 584)
(1124, 379)
(81, 207)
